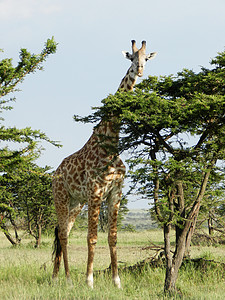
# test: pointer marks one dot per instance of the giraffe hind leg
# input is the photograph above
(93, 213)
(114, 204)
(74, 212)
(60, 249)
(60, 243)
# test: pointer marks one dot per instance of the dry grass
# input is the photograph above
(25, 272)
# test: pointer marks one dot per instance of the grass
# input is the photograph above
(25, 272)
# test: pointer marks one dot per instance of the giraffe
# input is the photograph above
(92, 175)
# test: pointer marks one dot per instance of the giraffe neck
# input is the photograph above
(129, 80)
(107, 128)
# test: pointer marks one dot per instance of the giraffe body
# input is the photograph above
(92, 175)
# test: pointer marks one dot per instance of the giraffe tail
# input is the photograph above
(57, 249)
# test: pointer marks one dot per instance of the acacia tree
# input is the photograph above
(18, 159)
(173, 127)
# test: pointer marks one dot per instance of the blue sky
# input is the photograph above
(89, 64)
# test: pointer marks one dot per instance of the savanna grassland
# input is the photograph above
(25, 272)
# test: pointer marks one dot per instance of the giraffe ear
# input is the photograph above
(127, 55)
(151, 55)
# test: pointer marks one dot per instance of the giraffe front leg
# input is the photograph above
(112, 239)
(93, 213)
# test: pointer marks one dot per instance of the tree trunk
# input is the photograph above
(183, 239)
(101, 221)
(173, 263)
(9, 236)
(210, 225)
(190, 234)
(38, 236)
(169, 279)
(18, 240)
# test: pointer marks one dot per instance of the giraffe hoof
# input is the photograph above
(117, 282)
(89, 282)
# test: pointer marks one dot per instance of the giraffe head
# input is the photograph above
(138, 57)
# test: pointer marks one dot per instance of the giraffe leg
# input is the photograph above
(72, 216)
(63, 237)
(114, 205)
(62, 210)
(61, 240)
(61, 249)
(93, 213)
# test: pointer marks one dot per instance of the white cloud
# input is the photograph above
(26, 9)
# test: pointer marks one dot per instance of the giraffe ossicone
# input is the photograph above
(92, 175)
